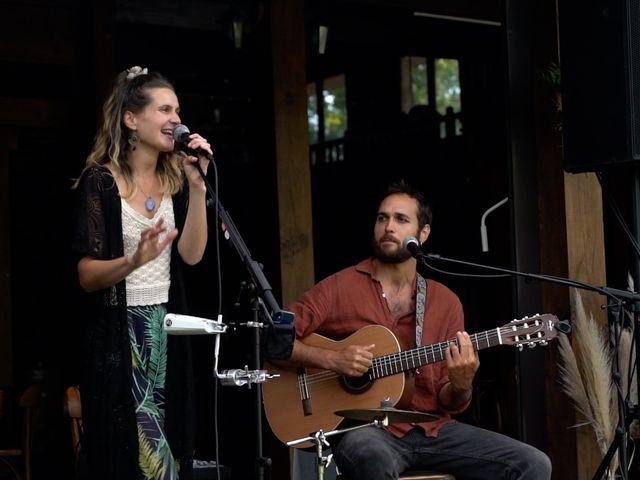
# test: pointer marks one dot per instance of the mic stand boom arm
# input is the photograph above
(272, 312)
(281, 336)
(609, 292)
(619, 442)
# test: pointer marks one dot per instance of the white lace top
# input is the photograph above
(149, 284)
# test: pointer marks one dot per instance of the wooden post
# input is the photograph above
(585, 245)
(292, 147)
(6, 352)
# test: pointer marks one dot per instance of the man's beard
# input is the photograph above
(399, 256)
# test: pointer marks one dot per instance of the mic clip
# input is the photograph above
(240, 377)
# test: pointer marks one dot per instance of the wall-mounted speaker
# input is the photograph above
(600, 83)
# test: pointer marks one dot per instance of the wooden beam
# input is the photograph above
(36, 34)
(585, 241)
(6, 351)
(33, 112)
(292, 150)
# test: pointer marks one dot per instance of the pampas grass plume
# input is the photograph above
(586, 375)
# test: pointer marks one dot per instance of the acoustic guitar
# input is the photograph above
(302, 401)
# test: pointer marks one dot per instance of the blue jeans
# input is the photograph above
(465, 451)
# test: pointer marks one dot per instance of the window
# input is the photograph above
(414, 79)
(327, 117)
(434, 82)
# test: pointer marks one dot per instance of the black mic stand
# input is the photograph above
(619, 297)
(279, 321)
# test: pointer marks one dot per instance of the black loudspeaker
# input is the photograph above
(600, 83)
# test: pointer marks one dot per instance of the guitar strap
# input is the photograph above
(421, 302)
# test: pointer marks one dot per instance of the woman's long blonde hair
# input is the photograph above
(131, 93)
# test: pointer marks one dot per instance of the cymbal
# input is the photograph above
(394, 415)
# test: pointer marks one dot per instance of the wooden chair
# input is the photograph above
(29, 402)
(73, 410)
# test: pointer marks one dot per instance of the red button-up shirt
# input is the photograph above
(353, 298)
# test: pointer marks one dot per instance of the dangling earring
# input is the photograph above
(134, 140)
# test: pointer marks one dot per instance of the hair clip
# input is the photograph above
(133, 72)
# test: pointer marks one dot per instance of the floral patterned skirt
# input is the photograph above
(149, 360)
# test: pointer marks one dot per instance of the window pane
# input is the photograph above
(447, 85)
(335, 107)
(312, 113)
(414, 87)
(419, 81)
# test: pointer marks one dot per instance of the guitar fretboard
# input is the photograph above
(417, 357)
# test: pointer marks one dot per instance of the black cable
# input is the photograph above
(468, 275)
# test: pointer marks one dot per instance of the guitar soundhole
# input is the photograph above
(356, 384)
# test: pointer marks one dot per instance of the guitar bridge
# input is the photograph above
(303, 390)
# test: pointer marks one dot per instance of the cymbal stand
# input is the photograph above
(319, 438)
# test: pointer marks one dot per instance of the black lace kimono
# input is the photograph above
(110, 440)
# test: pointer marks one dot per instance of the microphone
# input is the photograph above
(181, 135)
(413, 246)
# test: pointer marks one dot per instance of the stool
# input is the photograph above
(426, 476)
(416, 475)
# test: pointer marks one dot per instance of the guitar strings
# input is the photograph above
(395, 361)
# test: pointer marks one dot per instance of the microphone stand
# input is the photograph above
(279, 321)
(620, 297)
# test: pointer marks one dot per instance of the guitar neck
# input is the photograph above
(411, 359)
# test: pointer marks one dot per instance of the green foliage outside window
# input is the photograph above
(335, 112)
(447, 85)
(419, 92)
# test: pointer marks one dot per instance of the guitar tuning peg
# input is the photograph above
(520, 346)
(532, 344)
(544, 343)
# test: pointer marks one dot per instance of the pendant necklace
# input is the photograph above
(149, 203)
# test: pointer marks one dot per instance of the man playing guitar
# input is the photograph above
(387, 291)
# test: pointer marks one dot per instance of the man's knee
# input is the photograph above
(359, 456)
(538, 465)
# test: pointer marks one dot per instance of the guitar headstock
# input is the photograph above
(531, 331)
